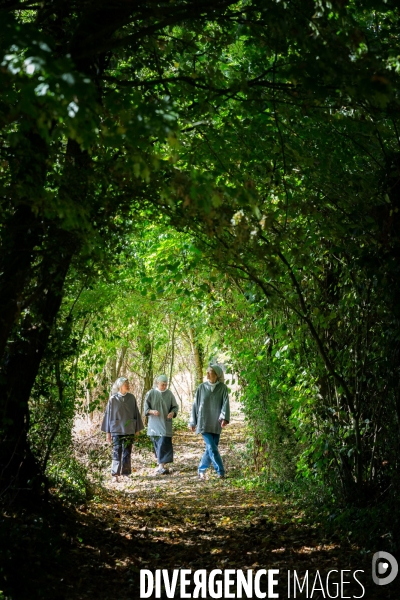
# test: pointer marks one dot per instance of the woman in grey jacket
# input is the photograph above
(211, 412)
(160, 407)
(121, 422)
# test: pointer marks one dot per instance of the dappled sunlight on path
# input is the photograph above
(176, 521)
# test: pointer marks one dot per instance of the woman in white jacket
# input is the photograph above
(161, 407)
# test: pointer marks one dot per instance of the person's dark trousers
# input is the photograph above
(121, 457)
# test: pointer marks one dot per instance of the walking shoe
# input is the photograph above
(202, 476)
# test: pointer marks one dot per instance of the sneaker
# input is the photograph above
(221, 476)
(202, 476)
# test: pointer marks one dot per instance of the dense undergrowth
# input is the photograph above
(366, 525)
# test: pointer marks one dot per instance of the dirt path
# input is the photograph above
(178, 522)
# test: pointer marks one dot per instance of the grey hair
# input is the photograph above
(118, 383)
(162, 378)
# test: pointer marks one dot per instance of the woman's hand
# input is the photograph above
(170, 415)
(155, 413)
(224, 423)
(108, 437)
(192, 428)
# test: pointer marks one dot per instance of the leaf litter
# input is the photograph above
(97, 549)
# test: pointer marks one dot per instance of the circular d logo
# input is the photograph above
(384, 568)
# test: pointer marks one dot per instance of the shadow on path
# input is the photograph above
(171, 522)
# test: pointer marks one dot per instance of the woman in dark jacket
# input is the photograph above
(121, 422)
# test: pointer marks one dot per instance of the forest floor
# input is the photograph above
(97, 549)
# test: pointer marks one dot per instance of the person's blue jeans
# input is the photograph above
(211, 456)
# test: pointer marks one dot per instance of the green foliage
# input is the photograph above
(218, 180)
(69, 478)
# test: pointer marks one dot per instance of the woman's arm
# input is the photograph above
(173, 411)
(105, 426)
(147, 406)
(136, 415)
(195, 410)
(225, 414)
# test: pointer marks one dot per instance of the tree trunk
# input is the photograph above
(171, 364)
(198, 359)
(120, 360)
(113, 369)
(18, 467)
(89, 401)
(21, 232)
(145, 348)
(21, 358)
(148, 378)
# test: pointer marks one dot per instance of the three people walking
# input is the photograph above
(209, 415)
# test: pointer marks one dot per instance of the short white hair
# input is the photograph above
(118, 383)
